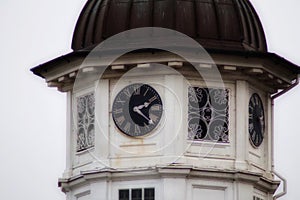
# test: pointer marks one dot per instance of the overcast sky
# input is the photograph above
(32, 120)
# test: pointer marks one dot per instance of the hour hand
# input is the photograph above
(145, 105)
(137, 110)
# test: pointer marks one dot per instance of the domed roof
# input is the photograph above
(215, 24)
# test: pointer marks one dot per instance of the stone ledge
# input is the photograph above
(176, 171)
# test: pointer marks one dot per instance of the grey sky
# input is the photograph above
(32, 149)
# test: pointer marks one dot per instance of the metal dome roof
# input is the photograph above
(215, 24)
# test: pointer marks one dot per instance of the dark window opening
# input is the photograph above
(137, 194)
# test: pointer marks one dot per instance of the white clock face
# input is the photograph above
(137, 109)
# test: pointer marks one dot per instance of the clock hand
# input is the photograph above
(261, 123)
(139, 107)
(145, 105)
(136, 109)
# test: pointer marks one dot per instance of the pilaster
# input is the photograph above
(241, 125)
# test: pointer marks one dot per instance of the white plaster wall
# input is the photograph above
(168, 142)
(169, 188)
(210, 189)
(80, 160)
(207, 154)
(259, 156)
(164, 144)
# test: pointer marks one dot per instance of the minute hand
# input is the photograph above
(135, 109)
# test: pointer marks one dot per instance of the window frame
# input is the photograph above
(76, 98)
(228, 113)
(136, 188)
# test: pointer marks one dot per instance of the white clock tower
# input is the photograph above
(169, 100)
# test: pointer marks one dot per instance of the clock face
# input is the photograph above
(137, 109)
(256, 120)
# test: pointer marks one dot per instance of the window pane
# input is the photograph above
(208, 114)
(123, 194)
(136, 194)
(149, 194)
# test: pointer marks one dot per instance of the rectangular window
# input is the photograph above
(123, 194)
(85, 121)
(149, 194)
(137, 194)
(208, 114)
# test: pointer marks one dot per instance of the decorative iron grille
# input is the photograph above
(208, 114)
(85, 121)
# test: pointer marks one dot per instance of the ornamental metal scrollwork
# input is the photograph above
(208, 114)
(85, 121)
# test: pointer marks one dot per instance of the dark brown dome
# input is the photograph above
(215, 24)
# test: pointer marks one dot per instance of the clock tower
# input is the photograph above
(169, 99)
